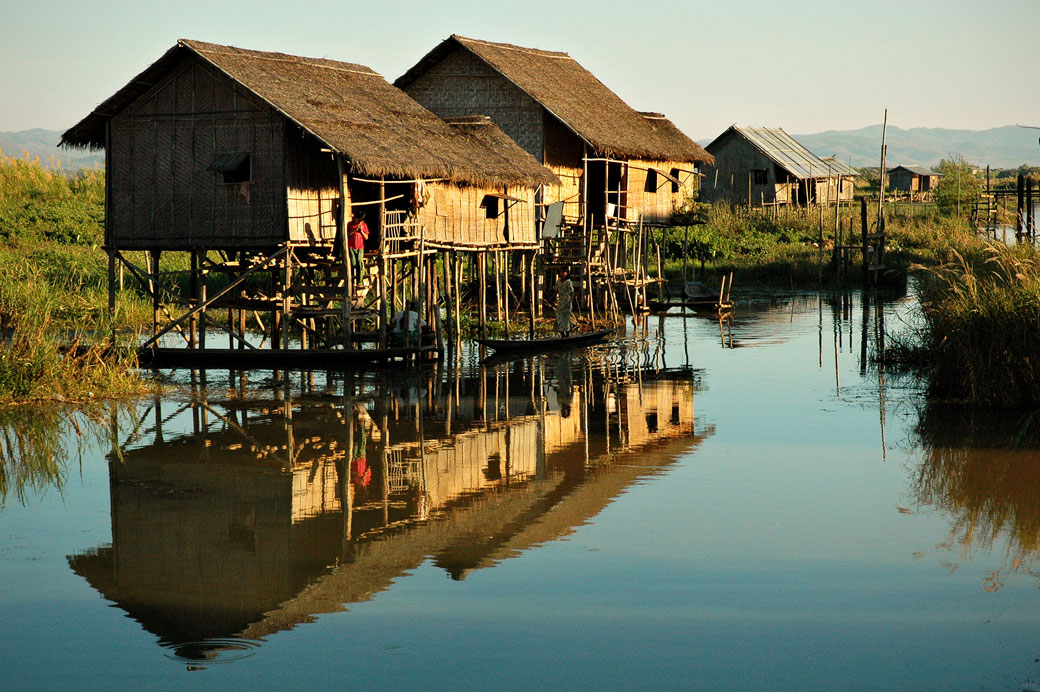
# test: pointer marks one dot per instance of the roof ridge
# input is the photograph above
(559, 55)
(204, 47)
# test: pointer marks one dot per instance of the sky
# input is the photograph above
(803, 65)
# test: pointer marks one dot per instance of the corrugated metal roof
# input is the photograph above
(838, 167)
(784, 151)
(917, 170)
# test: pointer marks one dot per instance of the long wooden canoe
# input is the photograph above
(547, 344)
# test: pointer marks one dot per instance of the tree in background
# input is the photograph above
(959, 187)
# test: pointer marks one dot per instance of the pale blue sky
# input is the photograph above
(804, 65)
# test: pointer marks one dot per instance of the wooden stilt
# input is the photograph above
(457, 278)
(482, 282)
(531, 293)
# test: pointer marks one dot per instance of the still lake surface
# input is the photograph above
(741, 506)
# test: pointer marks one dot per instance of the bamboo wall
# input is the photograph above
(454, 217)
(563, 155)
(312, 195)
(163, 196)
(461, 84)
(657, 206)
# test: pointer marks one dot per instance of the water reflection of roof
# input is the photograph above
(206, 544)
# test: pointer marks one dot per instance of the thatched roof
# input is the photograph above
(349, 108)
(574, 96)
(499, 156)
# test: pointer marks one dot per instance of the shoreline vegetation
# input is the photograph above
(57, 340)
(976, 343)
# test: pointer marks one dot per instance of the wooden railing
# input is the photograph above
(400, 231)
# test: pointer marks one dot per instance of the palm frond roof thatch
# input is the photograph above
(576, 98)
(496, 150)
(350, 108)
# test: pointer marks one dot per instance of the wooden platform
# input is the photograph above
(287, 359)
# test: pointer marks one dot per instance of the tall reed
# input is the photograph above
(981, 328)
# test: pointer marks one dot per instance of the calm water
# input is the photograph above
(745, 506)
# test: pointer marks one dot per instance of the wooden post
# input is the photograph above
(864, 229)
(1020, 210)
(242, 325)
(498, 285)
(153, 287)
(276, 313)
(193, 281)
(881, 174)
(530, 293)
(382, 297)
(344, 252)
(286, 299)
(457, 288)
(660, 268)
(586, 222)
(446, 291)
(1030, 214)
(482, 271)
(505, 290)
(112, 287)
(685, 252)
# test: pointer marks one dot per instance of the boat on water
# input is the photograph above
(546, 344)
(700, 297)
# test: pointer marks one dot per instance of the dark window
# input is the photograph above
(651, 181)
(490, 205)
(675, 183)
(759, 176)
(234, 167)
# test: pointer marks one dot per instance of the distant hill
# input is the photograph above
(999, 147)
(44, 144)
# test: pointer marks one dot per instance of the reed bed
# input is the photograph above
(980, 333)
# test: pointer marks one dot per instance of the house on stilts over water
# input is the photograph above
(619, 169)
(249, 165)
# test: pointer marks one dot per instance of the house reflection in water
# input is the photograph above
(237, 518)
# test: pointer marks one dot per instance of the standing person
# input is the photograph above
(357, 234)
(564, 293)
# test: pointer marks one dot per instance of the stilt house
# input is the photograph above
(265, 495)
(915, 180)
(252, 162)
(609, 157)
(766, 166)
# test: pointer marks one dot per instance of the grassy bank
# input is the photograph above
(53, 291)
(783, 248)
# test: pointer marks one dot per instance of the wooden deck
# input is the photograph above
(294, 359)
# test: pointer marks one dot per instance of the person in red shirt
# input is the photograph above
(357, 234)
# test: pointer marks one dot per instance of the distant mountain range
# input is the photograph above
(999, 147)
(44, 144)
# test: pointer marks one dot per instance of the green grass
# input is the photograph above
(782, 249)
(57, 338)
